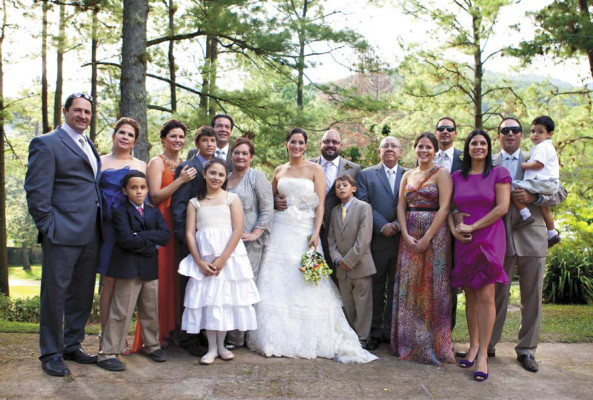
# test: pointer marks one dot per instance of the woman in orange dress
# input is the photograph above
(162, 184)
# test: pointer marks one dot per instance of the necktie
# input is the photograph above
(141, 211)
(328, 172)
(89, 154)
(220, 154)
(344, 210)
(391, 176)
(439, 160)
(507, 163)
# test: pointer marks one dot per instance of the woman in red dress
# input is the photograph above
(162, 184)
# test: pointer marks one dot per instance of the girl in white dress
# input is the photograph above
(298, 318)
(220, 292)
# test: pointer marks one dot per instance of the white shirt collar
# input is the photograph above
(335, 161)
(450, 151)
(72, 133)
(135, 205)
(347, 205)
(394, 169)
(515, 155)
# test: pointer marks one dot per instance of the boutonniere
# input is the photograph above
(461, 157)
(348, 166)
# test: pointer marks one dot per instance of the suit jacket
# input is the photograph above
(135, 253)
(183, 195)
(456, 165)
(532, 240)
(373, 187)
(351, 240)
(331, 200)
(62, 192)
(229, 163)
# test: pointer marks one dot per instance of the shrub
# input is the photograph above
(27, 309)
(569, 275)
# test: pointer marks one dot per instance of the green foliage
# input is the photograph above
(569, 275)
(27, 309)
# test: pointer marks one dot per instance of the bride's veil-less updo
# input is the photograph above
(295, 131)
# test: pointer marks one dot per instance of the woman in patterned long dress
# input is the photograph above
(162, 184)
(421, 325)
(482, 192)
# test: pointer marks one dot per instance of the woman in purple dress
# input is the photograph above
(421, 324)
(481, 194)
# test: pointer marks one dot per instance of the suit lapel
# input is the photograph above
(380, 171)
(134, 212)
(456, 165)
(398, 179)
(351, 210)
(75, 147)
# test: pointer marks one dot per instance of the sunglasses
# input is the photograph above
(510, 129)
(81, 96)
(448, 128)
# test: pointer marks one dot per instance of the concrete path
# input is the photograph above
(566, 372)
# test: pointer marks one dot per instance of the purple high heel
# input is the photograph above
(465, 363)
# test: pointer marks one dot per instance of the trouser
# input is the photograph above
(382, 287)
(357, 300)
(531, 278)
(67, 288)
(127, 294)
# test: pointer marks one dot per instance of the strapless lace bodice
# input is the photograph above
(300, 195)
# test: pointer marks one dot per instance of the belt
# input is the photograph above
(427, 209)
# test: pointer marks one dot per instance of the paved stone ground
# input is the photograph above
(566, 372)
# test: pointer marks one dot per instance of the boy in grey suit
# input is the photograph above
(349, 237)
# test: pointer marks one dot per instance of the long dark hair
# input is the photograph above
(466, 163)
(203, 188)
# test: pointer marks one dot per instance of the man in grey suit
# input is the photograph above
(527, 250)
(62, 185)
(379, 186)
(223, 127)
(333, 166)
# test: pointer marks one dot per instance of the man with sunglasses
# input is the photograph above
(62, 185)
(450, 158)
(527, 250)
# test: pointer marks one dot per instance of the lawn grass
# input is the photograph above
(17, 272)
(27, 283)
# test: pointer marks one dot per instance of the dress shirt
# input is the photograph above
(510, 161)
(84, 145)
(330, 169)
(222, 153)
(201, 159)
(444, 158)
(391, 174)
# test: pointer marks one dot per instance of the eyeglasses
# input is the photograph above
(390, 146)
(510, 129)
(448, 128)
(81, 95)
(327, 141)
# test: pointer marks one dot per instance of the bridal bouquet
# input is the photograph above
(313, 266)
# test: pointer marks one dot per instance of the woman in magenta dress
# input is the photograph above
(481, 194)
(421, 324)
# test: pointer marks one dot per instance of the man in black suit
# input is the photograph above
(206, 146)
(450, 158)
(333, 166)
(379, 186)
(223, 127)
(62, 185)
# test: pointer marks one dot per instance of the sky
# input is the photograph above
(383, 26)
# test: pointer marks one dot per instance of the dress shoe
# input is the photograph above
(112, 364)
(230, 346)
(528, 362)
(158, 355)
(373, 343)
(460, 354)
(385, 340)
(363, 344)
(80, 357)
(491, 353)
(523, 223)
(554, 240)
(55, 367)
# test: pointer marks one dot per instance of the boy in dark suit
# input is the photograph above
(140, 229)
(350, 233)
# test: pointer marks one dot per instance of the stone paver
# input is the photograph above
(566, 372)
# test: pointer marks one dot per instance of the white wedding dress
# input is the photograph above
(296, 318)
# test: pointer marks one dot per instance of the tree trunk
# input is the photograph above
(301, 59)
(133, 71)
(584, 9)
(26, 262)
(94, 45)
(59, 69)
(3, 239)
(212, 72)
(478, 74)
(44, 105)
(172, 10)
(205, 80)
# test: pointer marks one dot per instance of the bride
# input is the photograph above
(296, 318)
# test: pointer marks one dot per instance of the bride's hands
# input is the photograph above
(314, 241)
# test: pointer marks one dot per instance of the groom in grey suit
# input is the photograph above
(527, 250)
(62, 185)
(379, 186)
